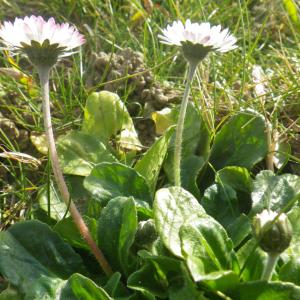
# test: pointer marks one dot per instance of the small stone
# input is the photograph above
(9, 128)
(23, 139)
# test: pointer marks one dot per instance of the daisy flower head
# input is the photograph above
(273, 232)
(44, 42)
(197, 39)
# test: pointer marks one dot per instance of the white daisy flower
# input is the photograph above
(197, 40)
(44, 42)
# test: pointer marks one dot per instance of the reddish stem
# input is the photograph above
(58, 175)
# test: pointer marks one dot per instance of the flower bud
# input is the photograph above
(146, 233)
(272, 237)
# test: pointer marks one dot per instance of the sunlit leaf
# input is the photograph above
(264, 290)
(106, 117)
(292, 10)
(110, 180)
(172, 208)
(39, 140)
(150, 164)
(79, 153)
(273, 191)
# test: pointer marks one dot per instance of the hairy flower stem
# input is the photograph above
(269, 267)
(180, 123)
(58, 175)
(271, 146)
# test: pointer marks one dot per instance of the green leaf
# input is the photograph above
(142, 295)
(282, 154)
(58, 208)
(79, 152)
(45, 288)
(240, 180)
(191, 167)
(220, 201)
(110, 180)
(82, 288)
(291, 271)
(225, 204)
(273, 192)
(69, 232)
(157, 274)
(106, 117)
(291, 8)
(150, 164)
(164, 119)
(172, 208)
(239, 229)
(263, 290)
(163, 264)
(206, 248)
(237, 177)
(77, 287)
(117, 227)
(147, 280)
(223, 281)
(93, 209)
(252, 260)
(30, 251)
(240, 142)
(294, 218)
(113, 283)
(10, 294)
(185, 288)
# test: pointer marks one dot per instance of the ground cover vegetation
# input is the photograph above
(222, 222)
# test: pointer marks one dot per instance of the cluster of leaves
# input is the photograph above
(162, 242)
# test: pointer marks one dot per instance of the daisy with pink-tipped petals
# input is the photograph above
(44, 42)
(196, 41)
